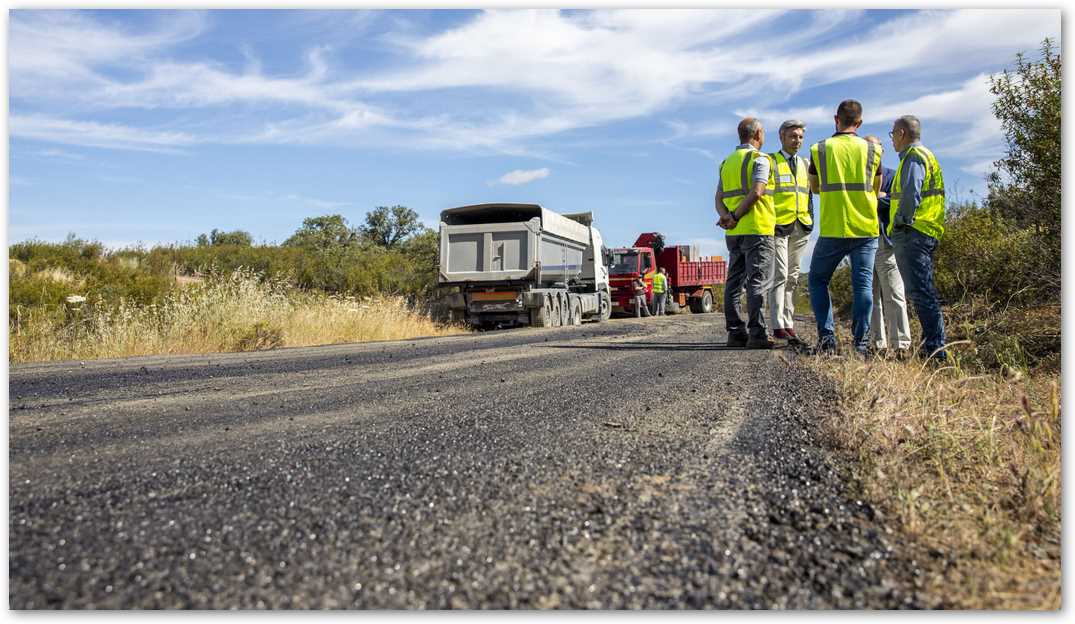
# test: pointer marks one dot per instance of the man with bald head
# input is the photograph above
(745, 204)
(916, 225)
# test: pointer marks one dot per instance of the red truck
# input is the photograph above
(690, 282)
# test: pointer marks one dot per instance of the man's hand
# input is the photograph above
(728, 222)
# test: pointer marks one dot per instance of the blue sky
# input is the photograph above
(155, 126)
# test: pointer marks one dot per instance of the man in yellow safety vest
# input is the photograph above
(660, 290)
(744, 202)
(794, 222)
(915, 225)
(845, 172)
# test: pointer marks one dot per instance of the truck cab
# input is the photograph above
(626, 264)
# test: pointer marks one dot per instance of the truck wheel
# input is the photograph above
(565, 310)
(556, 320)
(606, 307)
(707, 302)
(576, 311)
(673, 307)
(542, 317)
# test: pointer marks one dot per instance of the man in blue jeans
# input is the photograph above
(916, 226)
(845, 173)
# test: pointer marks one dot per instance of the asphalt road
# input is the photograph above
(632, 464)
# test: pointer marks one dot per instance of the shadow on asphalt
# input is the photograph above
(659, 346)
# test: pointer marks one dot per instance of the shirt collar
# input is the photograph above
(788, 156)
(854, 132)
(745, 146)
(914, 144)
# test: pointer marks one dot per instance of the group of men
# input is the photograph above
(887, 223)
(660, 295)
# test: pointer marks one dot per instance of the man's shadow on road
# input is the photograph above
(658, 346)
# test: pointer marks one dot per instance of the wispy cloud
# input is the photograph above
(521, 176)
(93, 134)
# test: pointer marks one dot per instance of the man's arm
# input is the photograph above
(748, 202)
(811, 177)
(718, 201)
(911, 177)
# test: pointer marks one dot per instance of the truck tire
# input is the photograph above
(576, 311)
(605, 312)
(707, 302)
(565, 310)
(542, 317)
(556, 319)
(674, 308)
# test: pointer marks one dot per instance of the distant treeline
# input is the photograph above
(391, 253)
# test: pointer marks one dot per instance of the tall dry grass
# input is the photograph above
(234, 312)
(969, 468)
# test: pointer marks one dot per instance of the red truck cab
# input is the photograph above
(691, 282)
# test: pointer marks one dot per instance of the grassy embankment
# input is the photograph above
(133, 306)
(966, 458)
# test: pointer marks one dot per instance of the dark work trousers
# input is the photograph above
(750, 262)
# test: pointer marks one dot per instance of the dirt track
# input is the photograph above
(631, 464)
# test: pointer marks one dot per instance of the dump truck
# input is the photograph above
(511, 265)
(691, 278)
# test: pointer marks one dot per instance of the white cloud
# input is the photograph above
(522, 176)
(93, 134)
(316, 203)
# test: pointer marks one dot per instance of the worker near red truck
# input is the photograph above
(794, 222)
(845, 172)
(744, 202)
(660, 291)
(641, 307)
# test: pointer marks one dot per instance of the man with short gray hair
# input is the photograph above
(794, 222)
(745, 205)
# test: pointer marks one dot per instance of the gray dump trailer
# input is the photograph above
(521, 264)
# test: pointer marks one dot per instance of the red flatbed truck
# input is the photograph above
(690, 282)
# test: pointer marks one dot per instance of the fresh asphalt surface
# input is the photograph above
(630, 464)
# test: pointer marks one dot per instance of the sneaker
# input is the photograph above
(737, 339)
(791, 332)
(781, 334)
(764, 342)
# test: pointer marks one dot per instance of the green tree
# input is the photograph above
(323, 233)
(1026, 186)
(219, 237)
(391, 227)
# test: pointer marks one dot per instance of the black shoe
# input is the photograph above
(764, 342)
(827, 347)
(737, 339)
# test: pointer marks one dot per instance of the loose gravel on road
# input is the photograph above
(631, 464)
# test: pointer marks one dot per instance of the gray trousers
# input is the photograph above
(787, 261)
(889, 325)
(750, 259)
(658, 303)
(641, 308)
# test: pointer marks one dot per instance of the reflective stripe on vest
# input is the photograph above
(846, 167)
(929, 216)
(735, 182)
(791, 196)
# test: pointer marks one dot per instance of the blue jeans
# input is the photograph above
(914, 255)
(828, 253)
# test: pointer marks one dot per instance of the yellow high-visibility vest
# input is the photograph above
(846, 166)
(791, 195)
(929, 216)
(735, 181)
(659, 283)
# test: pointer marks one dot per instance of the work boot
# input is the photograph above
(791, 332)
(737, 339)
(825, 347)
(764, 342)
(781, 334)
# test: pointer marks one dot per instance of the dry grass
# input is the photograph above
(969, 468)
(237, 312)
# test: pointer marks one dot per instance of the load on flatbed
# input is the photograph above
(522, 264)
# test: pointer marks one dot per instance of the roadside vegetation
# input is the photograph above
(966, 458)
(327, 283)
